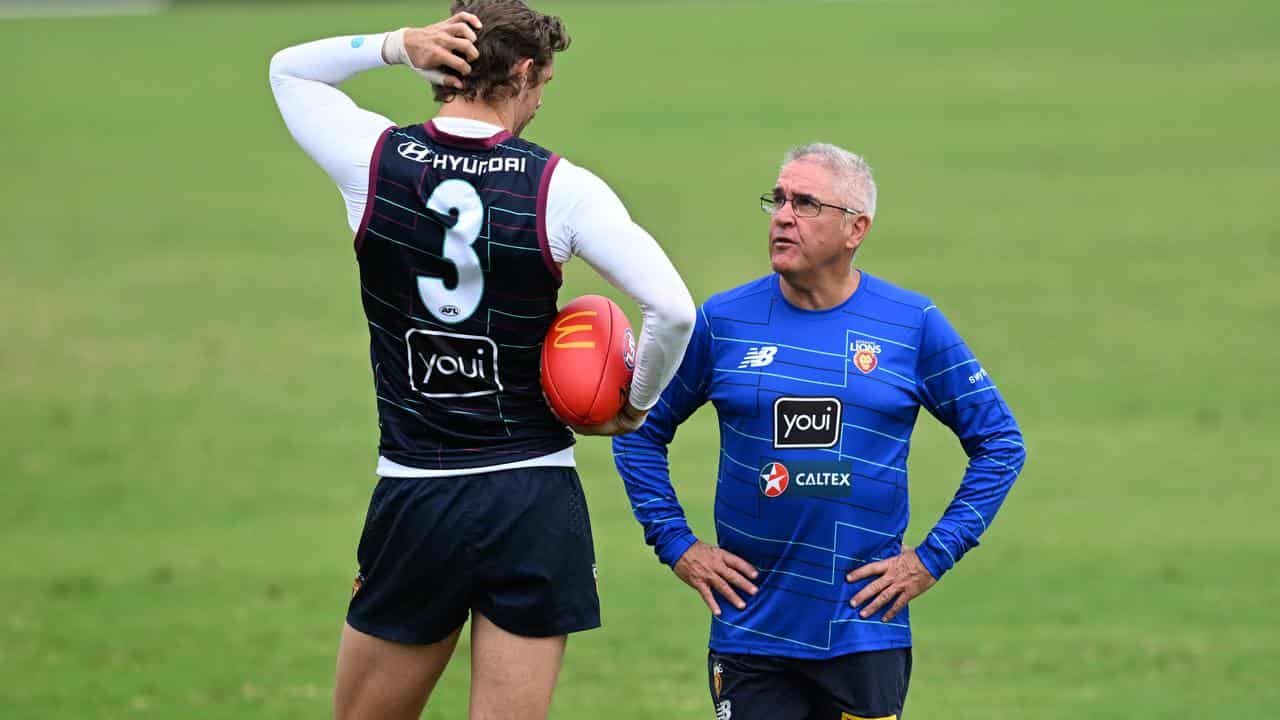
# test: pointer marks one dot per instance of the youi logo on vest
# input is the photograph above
(444, 365)
(802, 422)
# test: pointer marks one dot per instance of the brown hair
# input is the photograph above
(512, 31)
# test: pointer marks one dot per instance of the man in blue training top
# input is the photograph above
(817, 373)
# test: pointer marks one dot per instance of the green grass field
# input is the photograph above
(1088, 189)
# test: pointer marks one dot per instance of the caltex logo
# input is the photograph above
(774, 479)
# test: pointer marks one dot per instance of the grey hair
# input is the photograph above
(852, 172)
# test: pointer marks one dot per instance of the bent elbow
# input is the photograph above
(1016, 458)
(276, 73)
(1018, 444)
(679, 314)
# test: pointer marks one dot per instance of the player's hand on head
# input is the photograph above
(901, 579)
(715, 571)
(628, 419)
(447, 44)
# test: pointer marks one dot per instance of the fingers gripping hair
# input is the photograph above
(512, 32)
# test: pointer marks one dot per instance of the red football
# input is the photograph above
(587, 359)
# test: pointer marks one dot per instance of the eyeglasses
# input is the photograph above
(802, 205)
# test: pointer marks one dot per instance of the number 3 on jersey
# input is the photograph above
(454, 306)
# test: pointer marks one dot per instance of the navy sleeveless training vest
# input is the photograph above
(459, 289)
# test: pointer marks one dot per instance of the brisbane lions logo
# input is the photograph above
(866, 355)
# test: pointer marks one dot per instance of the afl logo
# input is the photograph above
(629, 351)
(774, 479)
(448, 311)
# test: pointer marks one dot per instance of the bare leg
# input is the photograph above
(382, 680)
(511, 676)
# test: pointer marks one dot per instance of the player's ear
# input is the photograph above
(857, 229)
(523, 69)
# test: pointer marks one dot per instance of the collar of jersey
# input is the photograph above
(466, 133)
(857, 295)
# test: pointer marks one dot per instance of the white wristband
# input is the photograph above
(394, 49)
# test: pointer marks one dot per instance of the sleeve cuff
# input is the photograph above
(672, 550)
(936, 561)
(366, 51)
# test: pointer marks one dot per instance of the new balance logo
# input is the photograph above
(759, 356)
(724, 710)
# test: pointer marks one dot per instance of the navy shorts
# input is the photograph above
(860, 686)
(513, 545)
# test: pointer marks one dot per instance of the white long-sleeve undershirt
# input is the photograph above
(584, 217)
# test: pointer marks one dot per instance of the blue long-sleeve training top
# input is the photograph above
(816, 410)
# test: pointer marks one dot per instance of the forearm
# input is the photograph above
(331, 61)
(642, 463)
(586, 218)
(636, 265)
(988, 478)
(641, 458)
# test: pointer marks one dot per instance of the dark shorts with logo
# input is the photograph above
(512, 545)
(860, 686)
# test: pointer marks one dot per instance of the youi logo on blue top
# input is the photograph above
(804, 422)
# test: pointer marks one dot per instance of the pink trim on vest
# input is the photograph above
(374, 162)
(468, 143)
(543, 243)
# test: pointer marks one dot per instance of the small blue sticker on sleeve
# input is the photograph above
(357, 42)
